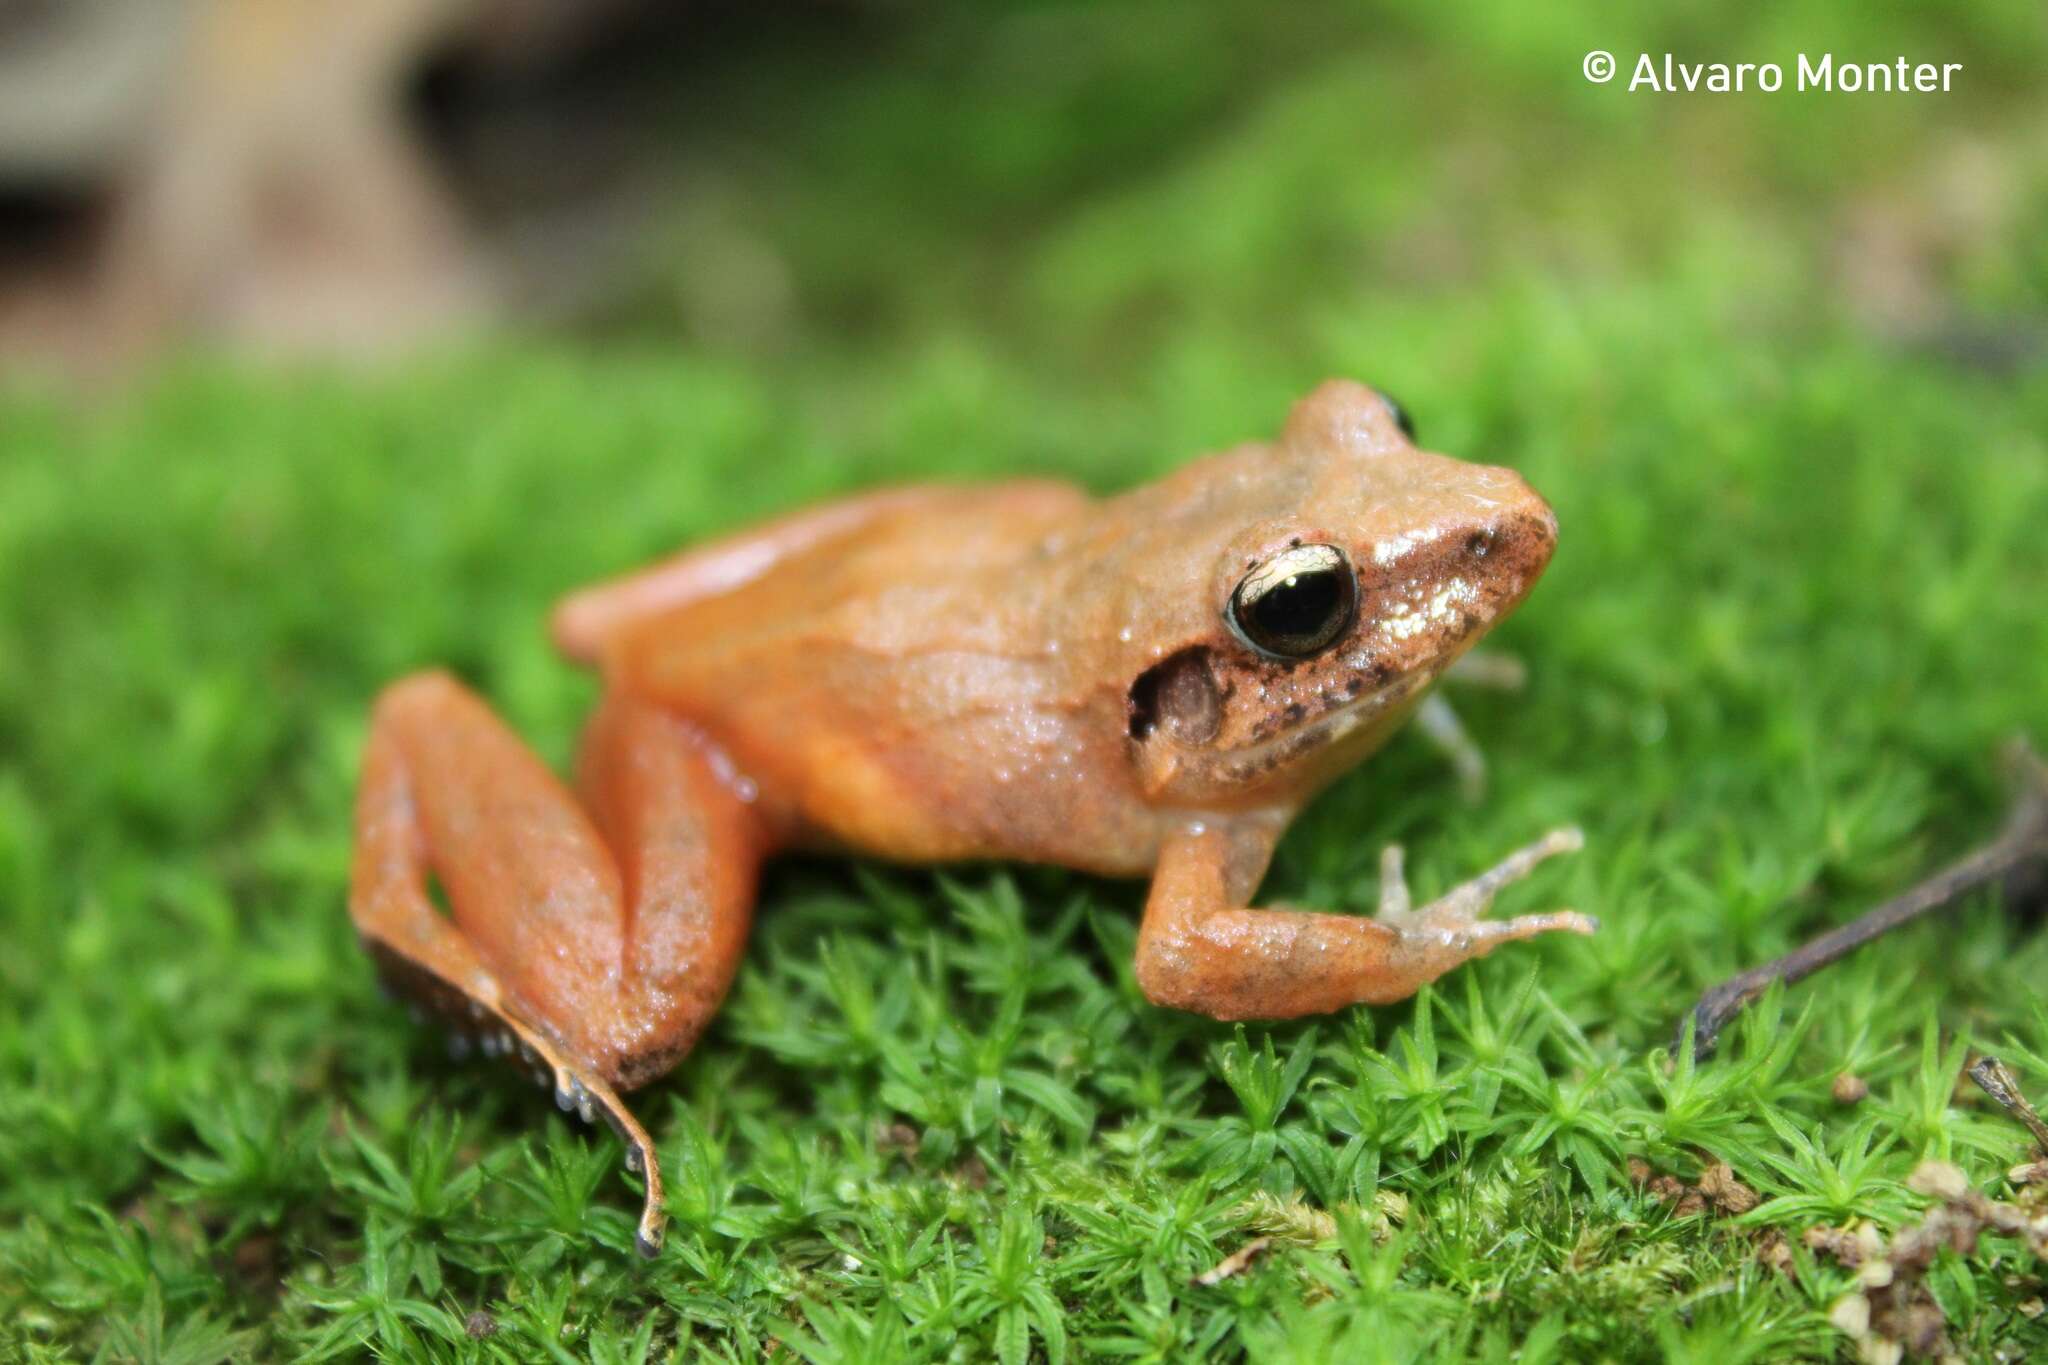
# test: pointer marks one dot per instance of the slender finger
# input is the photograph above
(1394, 898)
(1474, 896)
(1553, 921)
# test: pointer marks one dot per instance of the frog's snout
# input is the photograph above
(1533, 535)
(1515, 545)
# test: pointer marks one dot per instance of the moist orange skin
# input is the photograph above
(1017, 671)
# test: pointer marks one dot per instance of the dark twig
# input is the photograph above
(2017, 859)
(1995, 1078)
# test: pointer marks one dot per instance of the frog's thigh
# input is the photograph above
(689, 851)
(532, 892)
(547, 922)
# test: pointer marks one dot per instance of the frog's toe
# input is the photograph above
(1435, 939)
(590, 1099)
(488, 1026)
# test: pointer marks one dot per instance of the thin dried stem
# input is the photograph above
(2017, 860)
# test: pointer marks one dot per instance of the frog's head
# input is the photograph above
(1339, 573)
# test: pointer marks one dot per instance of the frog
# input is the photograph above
(1151, 684)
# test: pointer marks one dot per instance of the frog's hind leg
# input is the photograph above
(593, 944)
(688, 848)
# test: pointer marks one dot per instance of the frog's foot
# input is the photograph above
(490, 1028)
(587, 1094)
(1448, 930)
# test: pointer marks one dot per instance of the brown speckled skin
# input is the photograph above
(1018, 672)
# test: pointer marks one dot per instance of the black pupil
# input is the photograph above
(1299, 607)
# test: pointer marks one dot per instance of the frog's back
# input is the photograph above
(896, 688)
(918, 568)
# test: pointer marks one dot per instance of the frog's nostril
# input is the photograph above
(1510, 552)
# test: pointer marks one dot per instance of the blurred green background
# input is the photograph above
(1778, 360)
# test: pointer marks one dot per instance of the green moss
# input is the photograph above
(1798, 602)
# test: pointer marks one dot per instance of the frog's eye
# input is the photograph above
(1295, 603)
(1400, 415)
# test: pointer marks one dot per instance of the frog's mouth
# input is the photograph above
(1335, 739)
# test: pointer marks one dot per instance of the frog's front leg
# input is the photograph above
(1438, 722)
(593, 939)
(1201, 948)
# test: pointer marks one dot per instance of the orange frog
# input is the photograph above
(1146, 685)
